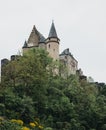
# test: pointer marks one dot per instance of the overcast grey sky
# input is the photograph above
(80, 25)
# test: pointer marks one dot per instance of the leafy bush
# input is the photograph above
(19, 125)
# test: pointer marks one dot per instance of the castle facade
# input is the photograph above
(51, 45)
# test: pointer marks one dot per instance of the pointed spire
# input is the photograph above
(34, 28)
(25, 44)
(52, 33)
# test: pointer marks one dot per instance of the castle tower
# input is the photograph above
(52, 43)
(69, 62)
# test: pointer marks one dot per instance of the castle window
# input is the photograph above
(49, 45)
(53, 49)
(65, 57)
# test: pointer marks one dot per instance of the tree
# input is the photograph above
(30, 87)
(15, 106)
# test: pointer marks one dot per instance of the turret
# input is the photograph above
(3, 63)
(25, 47)
(52, 43)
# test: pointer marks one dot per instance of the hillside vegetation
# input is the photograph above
(30, 92)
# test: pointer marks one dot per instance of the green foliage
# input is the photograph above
(30, 88)
(7, 125)
(13, 106)
(19, 125)
(48, 128)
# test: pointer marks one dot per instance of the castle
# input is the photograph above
(51, 45)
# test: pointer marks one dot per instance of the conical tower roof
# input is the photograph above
(52, 33)
(25, 45)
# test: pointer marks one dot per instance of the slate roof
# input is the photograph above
(52, 33)
(35, 30)
(25, 44)
(67, 52)
(42, 38)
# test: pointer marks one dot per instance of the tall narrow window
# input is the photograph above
(49, 45)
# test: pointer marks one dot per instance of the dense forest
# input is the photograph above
(32, 97)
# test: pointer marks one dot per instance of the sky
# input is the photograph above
(80, 25)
